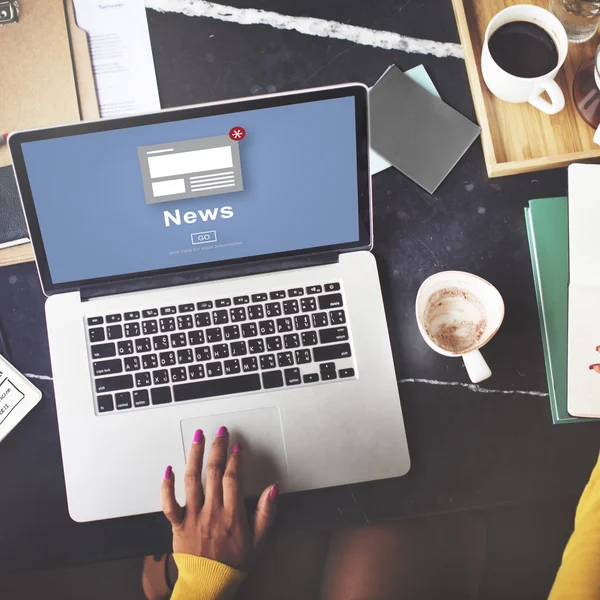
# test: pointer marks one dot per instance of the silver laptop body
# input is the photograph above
(210, 266)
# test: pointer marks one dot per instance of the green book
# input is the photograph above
(547, 221)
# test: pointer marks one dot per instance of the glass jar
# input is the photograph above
(579, 17)
(586, 90)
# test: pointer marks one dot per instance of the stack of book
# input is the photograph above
(547, 222)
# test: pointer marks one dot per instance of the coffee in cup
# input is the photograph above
(455, 319)
(523, 49)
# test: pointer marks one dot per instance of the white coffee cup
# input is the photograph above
(511, 88)
(458, 313)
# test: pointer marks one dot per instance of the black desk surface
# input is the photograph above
(469, 449)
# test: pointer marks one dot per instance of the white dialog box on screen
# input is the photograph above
(189, 169)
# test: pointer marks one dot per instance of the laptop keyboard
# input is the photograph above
(202, 350)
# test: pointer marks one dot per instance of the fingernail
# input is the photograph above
(198, 436)
(168, 472)
(273, 493)
(237, 448)
(222, 431)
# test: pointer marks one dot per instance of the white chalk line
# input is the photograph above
(388, 40)
(474, 388)
(470, 386)
(34, 376)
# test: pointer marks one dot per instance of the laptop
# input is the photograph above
(206, 266)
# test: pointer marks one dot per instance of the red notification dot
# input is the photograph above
(237, 134)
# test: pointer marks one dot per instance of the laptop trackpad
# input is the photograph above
(261, 435)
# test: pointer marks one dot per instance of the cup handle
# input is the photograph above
(476, 366)
(557, 98)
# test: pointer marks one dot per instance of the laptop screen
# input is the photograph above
(195, 191)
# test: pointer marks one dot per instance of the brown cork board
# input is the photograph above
(46, 79)
(36, 71)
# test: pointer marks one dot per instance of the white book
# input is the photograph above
(584, 291)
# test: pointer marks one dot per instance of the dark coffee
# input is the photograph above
(523, 49)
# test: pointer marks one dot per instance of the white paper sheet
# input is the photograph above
(121, 55)
(583, 392)
(17, 397)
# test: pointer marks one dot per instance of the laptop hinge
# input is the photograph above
(151, 282)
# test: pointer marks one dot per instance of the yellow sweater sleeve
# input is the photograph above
(579, 574)
(205, 579)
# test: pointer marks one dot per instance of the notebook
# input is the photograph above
(417, 132)
(547, 231)
(419, 75)
(584, 291)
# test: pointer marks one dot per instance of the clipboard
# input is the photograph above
(46, 78)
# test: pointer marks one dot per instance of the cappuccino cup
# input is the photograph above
(457, 314)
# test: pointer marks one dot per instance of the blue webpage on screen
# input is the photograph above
(195, 191)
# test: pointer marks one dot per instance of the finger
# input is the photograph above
(170, 506)
(215, 467)
(233, 496)
(265, 515)
(194, 494)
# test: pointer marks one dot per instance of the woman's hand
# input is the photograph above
(214, 524)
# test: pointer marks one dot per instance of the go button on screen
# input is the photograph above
(204, 237)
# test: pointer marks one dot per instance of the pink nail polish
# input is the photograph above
(168, 472)
(198, 436)
(273, 493)
(237, 448)
(222, 431)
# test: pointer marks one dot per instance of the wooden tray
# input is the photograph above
(518, 138)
